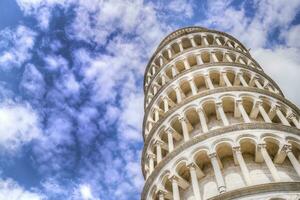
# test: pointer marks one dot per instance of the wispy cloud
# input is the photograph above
(15, 46)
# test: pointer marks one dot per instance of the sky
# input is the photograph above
(71, 84)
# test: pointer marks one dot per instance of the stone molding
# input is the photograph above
(259, 189)
(210, 92)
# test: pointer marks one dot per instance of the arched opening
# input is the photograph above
(219, 55)
(175, 48)
(186, 43)
(210, 112)
(169, 72)
(172, 96)
(192, 60)
(193, 118)
(205, 57)
(200, 83)
(210, 39)
(197, 39)
(176, 125)
(215, 78)
(185, 88)
(179, 66)
(228, 107)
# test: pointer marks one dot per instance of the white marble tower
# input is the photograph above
(215, 125)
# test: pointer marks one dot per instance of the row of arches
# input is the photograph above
(160, 75)
(213, 113)
(189, 41)
(198, 81)
(226, 164)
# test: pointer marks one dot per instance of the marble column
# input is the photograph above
(243, 112)
(170, 140)
(178, 94)
(151, 158)
(195, 183)
(292, 158)
(166, 104)
(176, 195)
(199, 59)
(192, 41)
(193, 86)
(269, 162)
(221, 112)
(293, 118)
(158, 151)
(208, 82)
(217, 172)
(263, 113)
(184, 127)
(242, 164)
(282, 118)
(202, 118)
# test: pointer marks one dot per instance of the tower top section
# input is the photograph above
(184, 32)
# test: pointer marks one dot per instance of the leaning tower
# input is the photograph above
(215, 125)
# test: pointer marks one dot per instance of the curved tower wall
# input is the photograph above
(215, 125)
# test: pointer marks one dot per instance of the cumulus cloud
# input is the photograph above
(283, 65)
(15, 46)
(19, 124)
(11, 190)
(252, 30)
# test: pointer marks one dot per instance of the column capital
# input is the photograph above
(191, 165)
(206, 75)
(158, 142)
(151, 155)
(212, 155)
(200, 110)
(238, 73)
(287, 148)
(190, 79)
(239, 101)
(190, 36)
(236, 149)
(173, 177)
(162, 192)
(261, 146)
(219, 103)
(258, 102)
(169, 130)
(182, 118)
(291, 115)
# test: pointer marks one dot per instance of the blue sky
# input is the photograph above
(71, 98)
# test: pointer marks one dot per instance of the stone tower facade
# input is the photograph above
(215, 125)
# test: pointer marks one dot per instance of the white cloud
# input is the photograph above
(282, 64)
(19, 124)
(253, 31)
(181, 7)
(292, 36)
(86, 192)
(32, 83)
(9, 189)
(18, 48)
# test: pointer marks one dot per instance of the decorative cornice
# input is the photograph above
(200, 138)
(210, 92)
(259, 189)
(210, 65)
